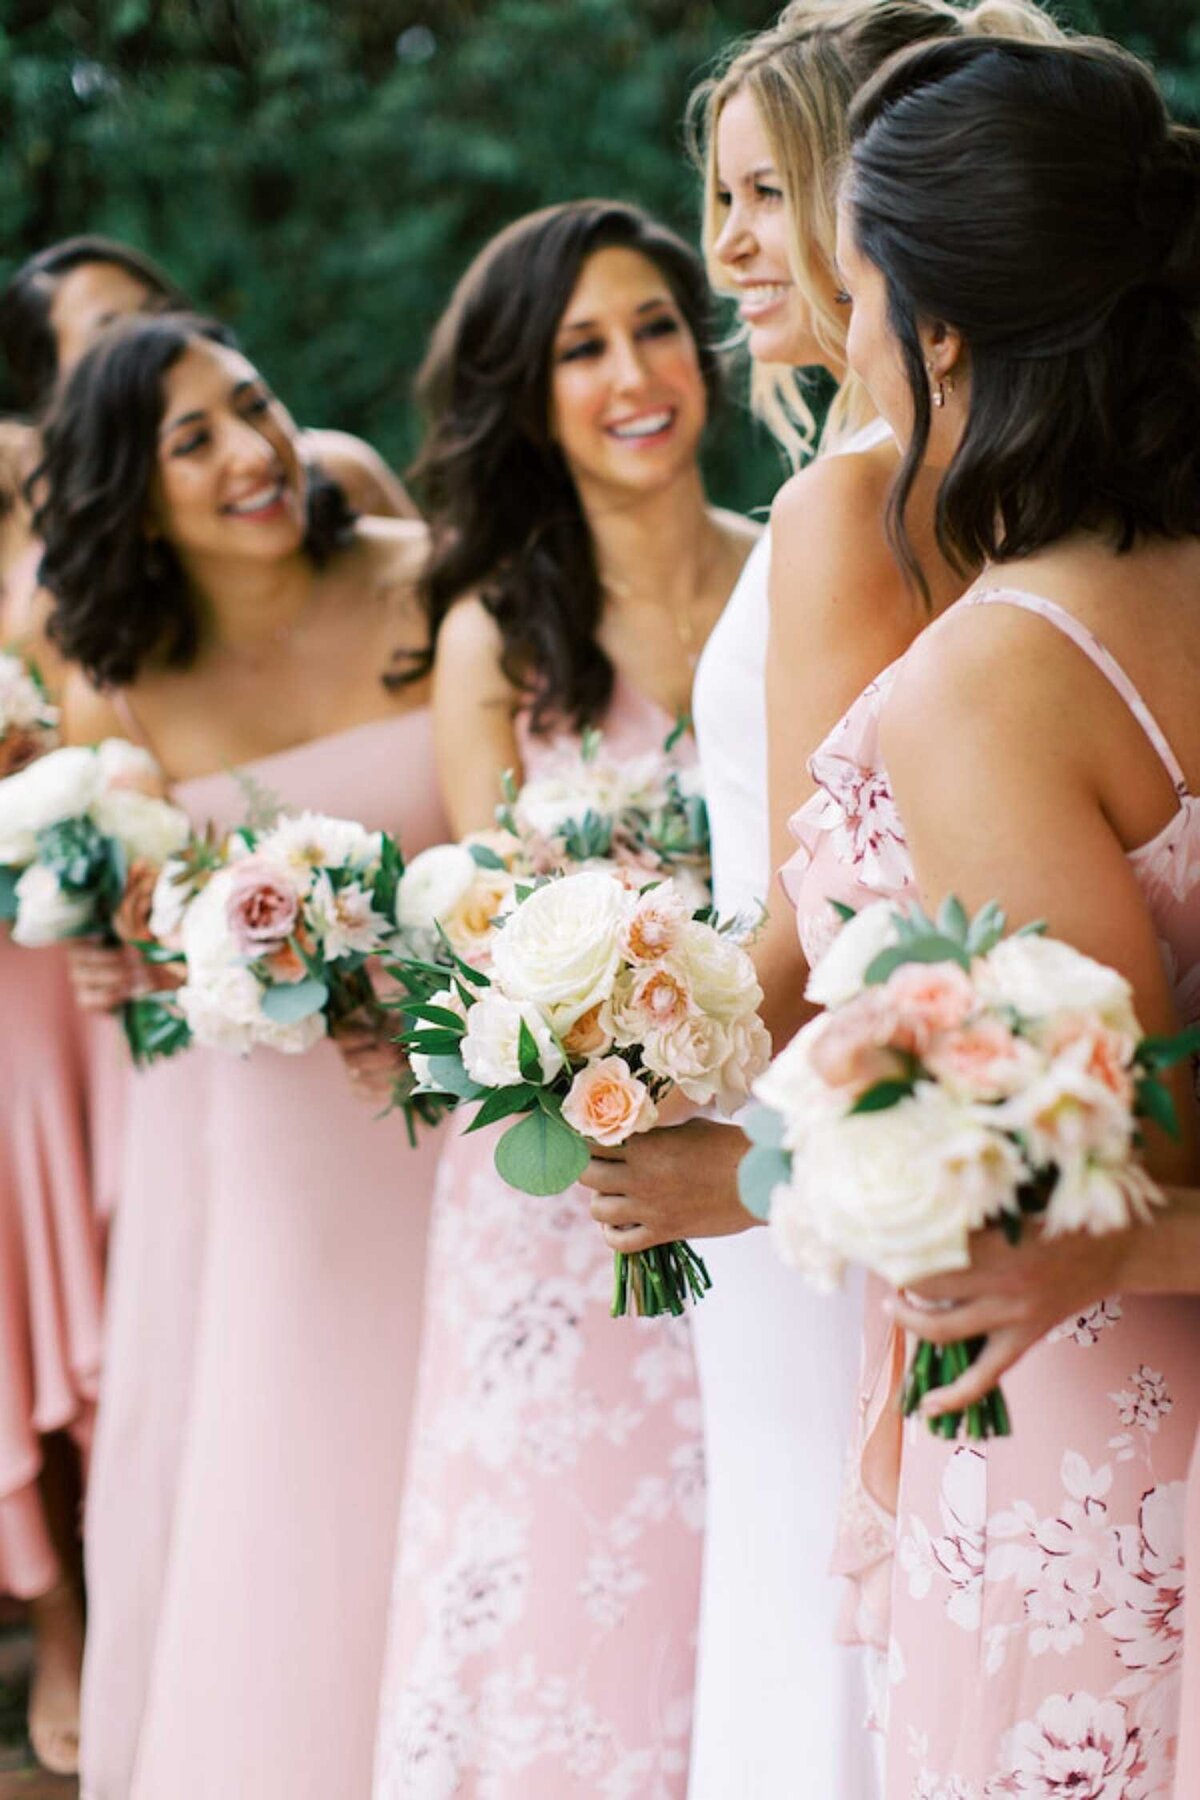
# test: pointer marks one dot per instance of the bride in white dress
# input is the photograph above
(821, 607)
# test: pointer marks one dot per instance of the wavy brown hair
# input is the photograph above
(118, 599)
(505, 517)
(1039, 200)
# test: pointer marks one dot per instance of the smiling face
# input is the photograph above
(89, 298)
(753, 242)
(229, 482)
(627, 396)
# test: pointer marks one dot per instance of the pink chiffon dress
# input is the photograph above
(50, 1251)
(1028, 1590)
(546, 1593)
(264, 1311)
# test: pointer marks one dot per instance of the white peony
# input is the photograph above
(791, 1086)
(885, 1189)
(147, 829)
(61, 785)
(561, 947)
(207, 941)
(841, 972)
(314, 841)
(718, 972)
(222, 1006)
(432, 886)
(491, 1043)
(799, 1243)
(1040, 976)
(46, 913)
(126, 765)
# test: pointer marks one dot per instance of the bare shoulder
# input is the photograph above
(738, 531)
(371, 487)
(470, 644)
(829, 522)
(88, 715)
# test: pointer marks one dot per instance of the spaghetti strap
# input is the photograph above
(1104, 660)
(122, 705)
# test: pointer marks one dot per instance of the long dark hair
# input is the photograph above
(1037, 199)
(118, 598)
(27, 336)
(506, 520)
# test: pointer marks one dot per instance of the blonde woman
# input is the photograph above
(814, 619)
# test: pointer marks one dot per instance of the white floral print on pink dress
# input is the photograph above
(1029, 1591)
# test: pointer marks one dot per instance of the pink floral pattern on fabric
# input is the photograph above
(1031, 1591)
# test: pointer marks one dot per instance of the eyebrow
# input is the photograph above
(194, 418)
(647, 306)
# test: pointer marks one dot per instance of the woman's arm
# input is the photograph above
(473, 712)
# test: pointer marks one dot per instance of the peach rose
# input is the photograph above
(470, 924)
(607, 1103)
(262, 906)
(857, 1048)
(982, 1061)
(131, 920)
(1103, 1053)
(655, 925)
(927, 998)
(592, 1034)
(654, 1000)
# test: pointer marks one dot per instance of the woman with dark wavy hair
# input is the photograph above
(1020, 240)
(545, 1604)
(264, 1288)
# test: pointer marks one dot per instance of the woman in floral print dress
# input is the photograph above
(1040, 745)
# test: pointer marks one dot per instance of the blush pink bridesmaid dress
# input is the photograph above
(50, 1251)
(264, 1310)
(1028, 1590)
(546, 1593)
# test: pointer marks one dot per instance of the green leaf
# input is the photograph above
(433, 1015)
(153, 1030)
(763, 1125)
(1155, 1102)
(883, 1095)
(9, 878)
(502, 1103)
(952, 919)
(760, 1172)
(289, 1002)
(845, 913)
(934, 949)
(529, 1059)
(484, 858)
(682, 725)
(1165, 1052)
(448, 1076)
(431, 1042)
(541, 1155)
(986, 930)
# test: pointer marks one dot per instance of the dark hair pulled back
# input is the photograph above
(27, 336)
(118, 598)
(505, 517)
(1037, 199)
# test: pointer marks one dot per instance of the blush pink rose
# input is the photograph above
(982, 1061)
(857, 1046)
(1106, 1055)
(262, 907)
(928, 998)
(607, 1103)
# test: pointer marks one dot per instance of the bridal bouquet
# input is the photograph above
(598, 1000)
(959, 1078)
(28, 722)
(83, 834)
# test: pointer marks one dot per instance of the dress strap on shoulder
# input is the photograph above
(135, 731)
(1101, 656)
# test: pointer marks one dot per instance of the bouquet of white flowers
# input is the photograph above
(598, 1000)
(83, 833)
(959, 1078)
(28, 722)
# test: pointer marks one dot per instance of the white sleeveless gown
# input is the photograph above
(781, 1708)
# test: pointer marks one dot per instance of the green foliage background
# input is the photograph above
(318, 172)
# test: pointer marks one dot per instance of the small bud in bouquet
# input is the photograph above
(598, 1001)
(959, 1078)
(83, 834)
(28, 721)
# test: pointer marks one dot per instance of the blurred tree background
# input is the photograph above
(317, 172)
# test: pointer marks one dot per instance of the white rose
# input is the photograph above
(841, 972)
(45, 912)
(749, 1052)
(207, 941)
(432, 886)
(491, 1047)
(718, 971)
(315, 841)
(691, 1053)
(61, 785)
(797, 1241)
(560, 948)
(1040, 976)
(875, 1189)
(791, 1087)
(126, 765)
(148, 830)
(222, 1006)
(168, 904)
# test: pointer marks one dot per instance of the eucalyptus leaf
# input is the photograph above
(290, 1001)
(760, 1172)
(932, 949)
(763, 1126)
(485, 858)
(541, 1155)
(952, 919)
(448, 1076)
(9, 878)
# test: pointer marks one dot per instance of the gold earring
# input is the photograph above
(939, 389)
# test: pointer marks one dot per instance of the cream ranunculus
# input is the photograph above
(841, 972)
(560, 948)
(491, 1046)
(59, 786)
(147, 829)
(718, 972)
(432, 886)
(1039, 977)
(46, 913)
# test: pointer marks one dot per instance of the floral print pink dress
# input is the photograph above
(544, 1611)
(1029, 1590)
